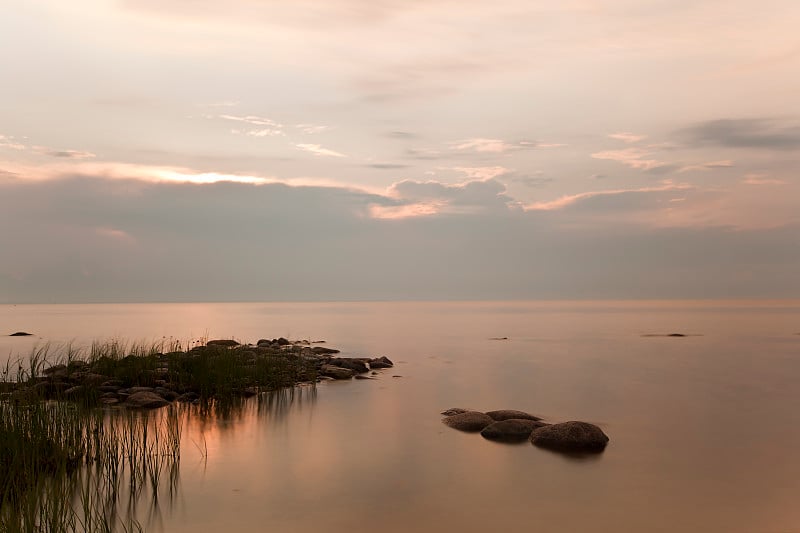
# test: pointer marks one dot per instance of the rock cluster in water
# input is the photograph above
(517, 426)
(82, 380)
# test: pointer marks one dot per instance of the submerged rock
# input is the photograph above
(469, 421)
(570, 436)
(511, 430)
(507, 414)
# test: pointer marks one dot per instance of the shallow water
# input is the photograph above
(703, 428)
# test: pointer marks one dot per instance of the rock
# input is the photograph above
(469, 421)
(109, 401)
(55, 369)
(507, 414)
(676, 335)
(511, 430)
(356, 365)
(188, 397)
(108, 388)
(134, 390)
(282, 342)
(380, 362)
(454, 411)
(222, 342)
(21, 334)
(359, 376)
(322, 350)
(145, 400)
(74, 392)
(570, 437)
(498, 338)
(336, 372)
(167, 394)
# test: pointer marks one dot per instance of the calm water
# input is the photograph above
(704, 429)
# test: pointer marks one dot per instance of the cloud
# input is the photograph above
(535, 180)
(761, 179)
(495, 146)
(252, 119)
(319, 150)
(386, 166)
(311, 129)
(634, 158)
(86, 239)
(482, 173)
(9, 142)
(708, 166)
(744, 133)
(627, 137)
(64, 154)
(617, 198)
(402, 135)
(434, 197)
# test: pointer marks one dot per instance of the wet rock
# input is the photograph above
(455, 411)
(511, 430)
(570, 436)
(381, 362)
(145, 400)
(21, 334)
(469, 421)
(336, 372)
(322, 350)
(222, 342)
(507, 414)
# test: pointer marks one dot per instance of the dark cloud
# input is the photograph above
(744, 133)
(97, 240)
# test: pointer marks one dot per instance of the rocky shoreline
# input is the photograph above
(158, 379)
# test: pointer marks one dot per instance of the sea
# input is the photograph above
(704, 428)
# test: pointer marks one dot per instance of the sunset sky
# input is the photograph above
(174, 150)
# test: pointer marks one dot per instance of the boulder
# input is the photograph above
(570, 436)
(511, 430)
(145, 400)
(282, 342)
(507, 414)
(222, 342)
(380, 362)
(336, 372)
(469, 421)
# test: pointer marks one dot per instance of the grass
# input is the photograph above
(67, 466)
(208, 371)
(66, 469)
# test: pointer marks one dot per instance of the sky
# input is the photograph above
(254, 150)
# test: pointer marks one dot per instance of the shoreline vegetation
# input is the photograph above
(81, 431)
